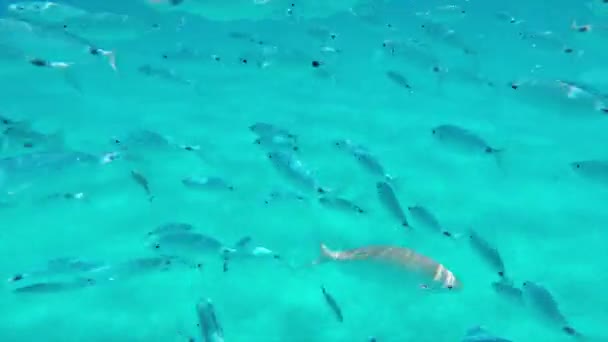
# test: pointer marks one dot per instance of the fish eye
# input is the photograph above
(157, 246)
(422, 26)
(434, 132)
(578, 166)
(525, 283)
(450, 287)
(463, 12)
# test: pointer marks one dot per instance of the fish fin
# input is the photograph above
(476, 330)
(325, 254)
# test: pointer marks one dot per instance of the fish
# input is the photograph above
(210, 183)
(479, 334)
(333, 305)
(340, 204)
(283, 196)
(293, 170)
(413, 52)
(50, 43)
(446, 36)
(30, 164)
(58, 268)
(398, 79)
(539, 299)
(264, 129)
(277, 142)
(547, 40)
(463, 140)
(169, 75)
(364, 157)
(507, 17)
(171, 227)
(434, 274)
(444, 13)
(141, 180)
(54, 286)
(390, 202)
(27, 137)
(594, 170)
(488, 253)
(425, 218)
(92, 25)
(563, 94)
(141, 139)
(210, 327)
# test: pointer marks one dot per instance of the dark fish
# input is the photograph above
(211, 330)
(488, 253)
(399, 80)
(541, 300)
(54, 287)
(595, 170)
(331, 302)
(425, 218)
(340, 204)
(293, 170)
(478, 334)
(141, 180)
(463, 140)
(389, 201)
(364, 157)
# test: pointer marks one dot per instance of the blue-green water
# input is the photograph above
(197, 77)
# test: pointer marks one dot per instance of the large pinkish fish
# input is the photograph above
(435, 275)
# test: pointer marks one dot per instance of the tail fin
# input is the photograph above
(111, 56)
(325, 254)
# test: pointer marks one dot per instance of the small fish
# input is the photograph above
(171, 227)
(211, 330)
(168, 75)
(389, 201)
(436, 275)
(400, 80)
(364, 157)
(508, 18)
(59, 267)
(447, 36)
(425, 218)
(340, 204)
(478, 334)
(264, 129)
(463, 140)
(541, 300)
(331, 302)
(283, 196)
(594, 170)
(54, 286)
(141, 180)
(444, 13)
(210, 183)
(277, 142)
(488, 253)
(293, 170)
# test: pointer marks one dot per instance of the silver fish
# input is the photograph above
(59, 268)
(277, 142)
(293, 170)
(421, 216)
(462, 140)
(389, 201)
(479, 334)
(264, 129)
(54, 286)
(211, 329)
(141, 139)
(488, 253)
(541, 300)
(340, 204)
(207, 183)
(364, 157)
(447, 36)
(25, 136)
(283, 196)
(595, 170)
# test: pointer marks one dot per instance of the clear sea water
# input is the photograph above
(547, 221)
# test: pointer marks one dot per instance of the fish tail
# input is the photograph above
(111, 56)
(324, 255)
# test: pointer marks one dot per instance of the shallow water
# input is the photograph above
(547, 221)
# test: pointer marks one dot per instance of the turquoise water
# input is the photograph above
(182, 78)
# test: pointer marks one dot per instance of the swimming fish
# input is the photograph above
(25, 136)
(44, 161)
(389, 201)
(293, 170)
(283, 196)
(210, 183)
(434, 274)
(562, 94)
(277, 142)
(547, 40)
(54, 286)
(479, 334)
(444, 13)
(58, 268)
(211, 329)
(413, 52)
(169, 75)
(141, 180)
(446, 36)
(399, 79)
(364, 157)
(340, 204)
(595, 170)
(488, 253)
(463, 140)
(333, 305)
(423, 217)
(542, 302)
